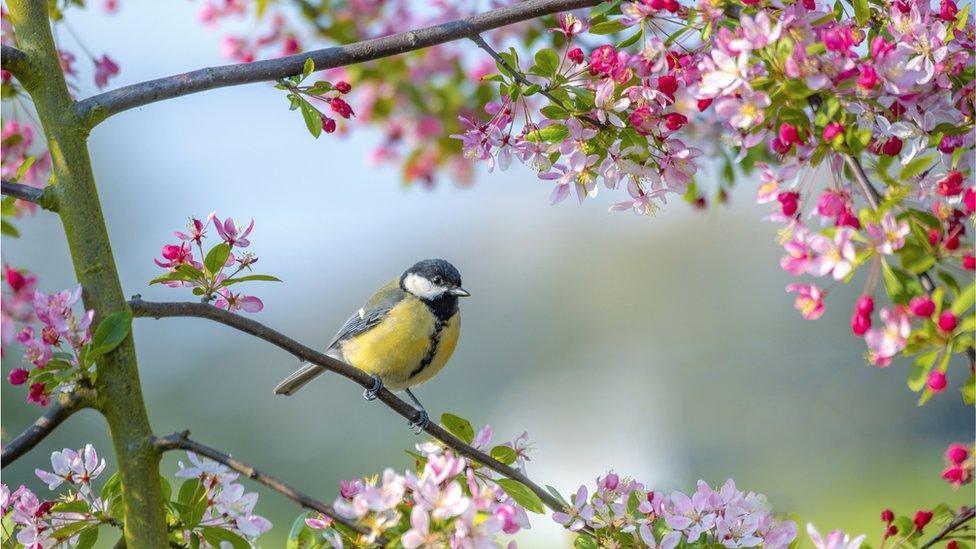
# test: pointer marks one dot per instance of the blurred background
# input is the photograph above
(664, 348)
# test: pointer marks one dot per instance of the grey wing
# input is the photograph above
(369, 315)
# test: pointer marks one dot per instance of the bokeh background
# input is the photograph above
(664, 348)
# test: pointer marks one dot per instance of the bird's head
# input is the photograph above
(433, 279)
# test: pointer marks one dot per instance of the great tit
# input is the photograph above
(403, 336)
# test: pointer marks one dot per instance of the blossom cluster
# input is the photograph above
(214, 505)
(321, 92)
(56, 341)
(221, 267)
(623, 513)
(74, 518)
(959, 465)
(209, 510)
(447, 501)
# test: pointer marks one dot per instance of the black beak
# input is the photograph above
(459, 292)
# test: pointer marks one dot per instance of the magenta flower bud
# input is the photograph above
(642, 119)
(831, 204)
(860, 324)
(675, 121)
(603, 60)
(955, 474)
(328, 124)
(576, 56)
(948, 11)
(17, 376)
(789, 202)
(832, 130)
(951, 184)
(950, 143)
(343, 86)
(788, 134)
(611, 481)
(947, 321)
(667, 84)
(922, 518)
(937, 381)
(969, 200)
(848, 219)
(957, 453)
(968, 262)
(868, 79)
(887, 515)
(865, 305)
(892, 147)
(922, 306)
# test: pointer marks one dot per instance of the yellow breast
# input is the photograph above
(397, 347)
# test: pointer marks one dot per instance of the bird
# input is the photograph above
(403, 336)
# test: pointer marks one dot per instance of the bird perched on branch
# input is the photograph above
(403, 336)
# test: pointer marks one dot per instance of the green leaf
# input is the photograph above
(88, 538)
(308, 68)
(249, 278)
(300, 536)
(585, 541)
(637, 36)
(555, 112)
(313, 120)
(522, 495)
(915, 167)
(559, 497)
(861, 12)
(215, 536)
(8, 229)
(916, 259)
(217, 257)
(77, 506)
(901, 286)
(458, 426)
(608, 27)
(70, 530)
(192, 498)
(110, 333)
(919, 373)
(504, 454)
(547, 61)
(553, 133)
(964, 300)
(969, 390)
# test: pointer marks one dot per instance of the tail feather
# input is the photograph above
(298, 379)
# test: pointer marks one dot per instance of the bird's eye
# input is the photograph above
(438, 280)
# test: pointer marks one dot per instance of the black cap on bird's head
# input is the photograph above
(433, 279)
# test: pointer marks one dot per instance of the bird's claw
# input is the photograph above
(370, 394)
(420, 423)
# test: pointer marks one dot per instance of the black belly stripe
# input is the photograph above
(435, 339)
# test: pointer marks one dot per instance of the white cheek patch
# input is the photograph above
(421, 287)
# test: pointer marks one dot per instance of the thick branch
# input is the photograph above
(14, 60)
(44, 198)
(97, 108)
(59, 411)
(965, 515)
(255, 328)
(180, 441)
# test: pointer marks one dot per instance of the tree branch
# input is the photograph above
(965, 515)
(44, 198)
(99, 107)
(142, 308)
(14, 60)
(181, 441)
(59, 411)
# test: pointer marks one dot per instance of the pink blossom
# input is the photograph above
(238, 302)
(231, 233)
(889, 235)
(888, 340)
(105, 68)
(835, 256)
(809, 300)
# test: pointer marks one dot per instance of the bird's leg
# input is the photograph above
(370, 394)
(421, 423)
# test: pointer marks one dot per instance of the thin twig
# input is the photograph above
(965, 515)
(97, 108)
(142, 308)
(181, 441)
(44, 198)
(14, 60)
(59, 411)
